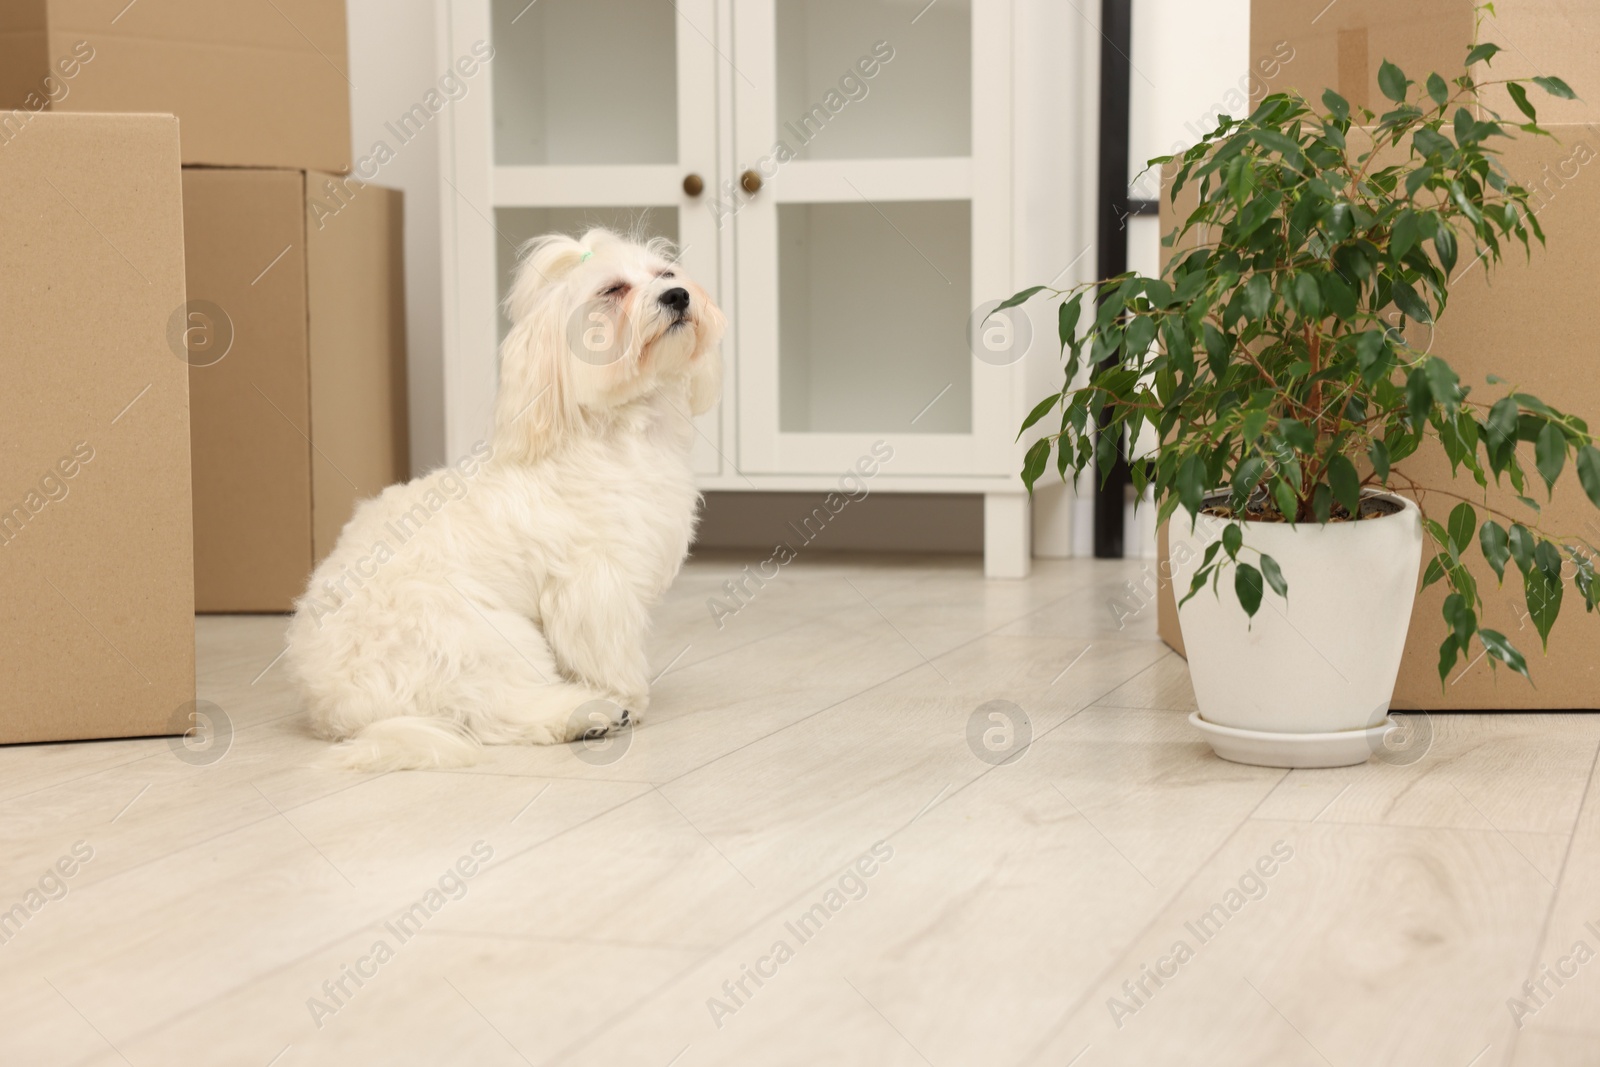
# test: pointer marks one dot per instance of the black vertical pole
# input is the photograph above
(1116, 87)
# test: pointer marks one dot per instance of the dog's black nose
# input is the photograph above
(677, 299)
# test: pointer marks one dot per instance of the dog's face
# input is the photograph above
(599, 323)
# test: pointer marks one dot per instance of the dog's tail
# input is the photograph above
(407, 743)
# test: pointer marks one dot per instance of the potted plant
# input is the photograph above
(1271, 363)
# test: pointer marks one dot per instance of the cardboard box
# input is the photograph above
(297, 340)
(96, 571)
(1342, 45)
(254, 83)
(1529, 323)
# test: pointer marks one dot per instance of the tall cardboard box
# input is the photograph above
(96, 572)
(254, 83)
(296, 339)
(1527, 323)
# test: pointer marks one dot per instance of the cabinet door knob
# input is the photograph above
(694, 185)
(750, 181)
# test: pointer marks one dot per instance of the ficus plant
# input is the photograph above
(1272, 362)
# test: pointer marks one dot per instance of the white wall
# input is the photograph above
(393, 64)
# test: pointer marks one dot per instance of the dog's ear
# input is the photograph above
(533, 406)
(705, 375)
(542, 264)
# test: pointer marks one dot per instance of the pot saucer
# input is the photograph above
(1261, 748)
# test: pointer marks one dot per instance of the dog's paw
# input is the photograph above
(594, 719)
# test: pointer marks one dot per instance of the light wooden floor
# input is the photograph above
(826, 721)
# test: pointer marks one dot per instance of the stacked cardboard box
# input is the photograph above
(206, 280)
(1528, 323)
(96, 568)
(295, 330)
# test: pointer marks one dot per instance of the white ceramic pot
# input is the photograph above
(1307, 682)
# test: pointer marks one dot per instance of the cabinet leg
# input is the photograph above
(1006, 543)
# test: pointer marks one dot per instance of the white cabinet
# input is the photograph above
(855, 208)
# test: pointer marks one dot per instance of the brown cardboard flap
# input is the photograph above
(356, 286)
(96, 571)
(252, 465)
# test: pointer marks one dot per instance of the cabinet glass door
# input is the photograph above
(879, 222)
(597, 113)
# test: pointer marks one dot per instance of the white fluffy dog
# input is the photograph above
(505, 599)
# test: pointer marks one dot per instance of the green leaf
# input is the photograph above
(1192, 484)
(1459, 614)
(1218, 348)
(1589, 472)
(1449, 652)
(1258, 296)
(1283, 145)
(1252, 425)
(1556, 87)
(1417, 179)
(1338, 297)
(1520, 542)
(1141, 334)
(1379, 454)
(1483, 53)
(1419, 399)
(1463, 524)
(1247, 586)
(1438, 90)
(1435, 570)
(1020, 298)
(1308, 295)
(1544, 598)
(1500, 429)
(1044, 408)
(1034, 463)
(1297, 434)
(1337, 105)
(1067, 319)
(1274, 575)
(1393, 82)
(1502, 650)
(1519, 96)
(1444, 243)
(1232, 539)
(1245, 479)
(1283, 496)
(1407, 300)
(1443, 384)
(1550, 453)
(1405, 235)
(1496, 545)
(1345, 483)
(1322, 503)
